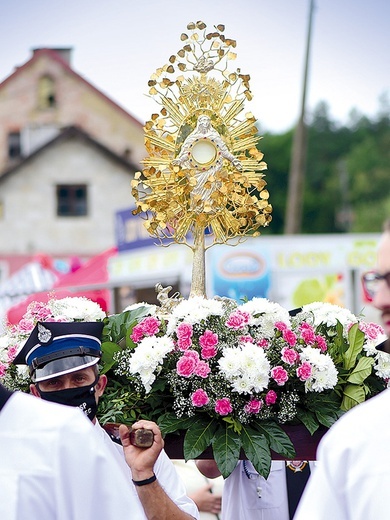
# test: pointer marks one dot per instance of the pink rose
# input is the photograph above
(254, 406)
(237, 320)
(280, 375)
(199, 398)
(304, 371)
(271, 397)
(186, 366)
(26, 325)
(208, 339)
(223, 406)
(202, 369)
(289, 355)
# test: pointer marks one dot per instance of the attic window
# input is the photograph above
(46, 93)
(14, 145)
(72, 200)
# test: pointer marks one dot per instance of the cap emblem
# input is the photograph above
(44, 335)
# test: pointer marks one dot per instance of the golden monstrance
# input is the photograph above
(203, 170)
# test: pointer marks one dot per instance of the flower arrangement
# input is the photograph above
(231, 375)
(64, 309)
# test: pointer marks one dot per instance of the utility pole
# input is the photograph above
(293, 216)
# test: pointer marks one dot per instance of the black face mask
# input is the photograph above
(83, 397)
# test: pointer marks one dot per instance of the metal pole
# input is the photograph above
(293, 217)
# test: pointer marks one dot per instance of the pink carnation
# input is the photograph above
(150, 325)
(3, 369)
(184, 343)
(263, 343)
(26, 325)
(237, 320)
(307, 333)
(11, 354)
(202, 369)
(271, 397)
(289, 355)
(137, 333)
(280, 375)
(199, 398)
(208, 339)
(290, 337)
(186, 366)
(246, 339)
(192, 354)
(371, 330)
(208, 352)
(254, 406)
(321, 342)
(184, 330)
(38, 311)
(280, 325)
(304, 371)
(223, 406)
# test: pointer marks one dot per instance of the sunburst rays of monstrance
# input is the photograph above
(203, 170)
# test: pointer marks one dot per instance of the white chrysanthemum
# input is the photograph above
(371, 344)
(150, 308)
(194, 310)
(382, 365)
(148, 355)
(324, 372)
(4, 343)
(76, 308)
(265, 314)
(328, 314)
(246, 367)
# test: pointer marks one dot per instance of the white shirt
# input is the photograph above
(164, 470)
(54, 467)
(241, 500)
(352, 477)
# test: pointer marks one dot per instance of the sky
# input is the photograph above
(118, 44)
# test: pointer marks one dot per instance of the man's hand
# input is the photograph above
(141, 460)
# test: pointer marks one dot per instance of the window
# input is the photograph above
(14, 145)
(46, 92)
(72, 200)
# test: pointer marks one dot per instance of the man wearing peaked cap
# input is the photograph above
(63, 362)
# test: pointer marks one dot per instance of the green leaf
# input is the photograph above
(199, 437)
(362, 370)
(257, 450)
(309, 419)
(277, 438)
(226, 449)
(327, 419)
(108, 351)
(169, 423)
(353, 395)
(356, 340)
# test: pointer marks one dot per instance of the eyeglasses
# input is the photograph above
(371, 281)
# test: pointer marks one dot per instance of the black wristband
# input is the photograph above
(145, 482)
